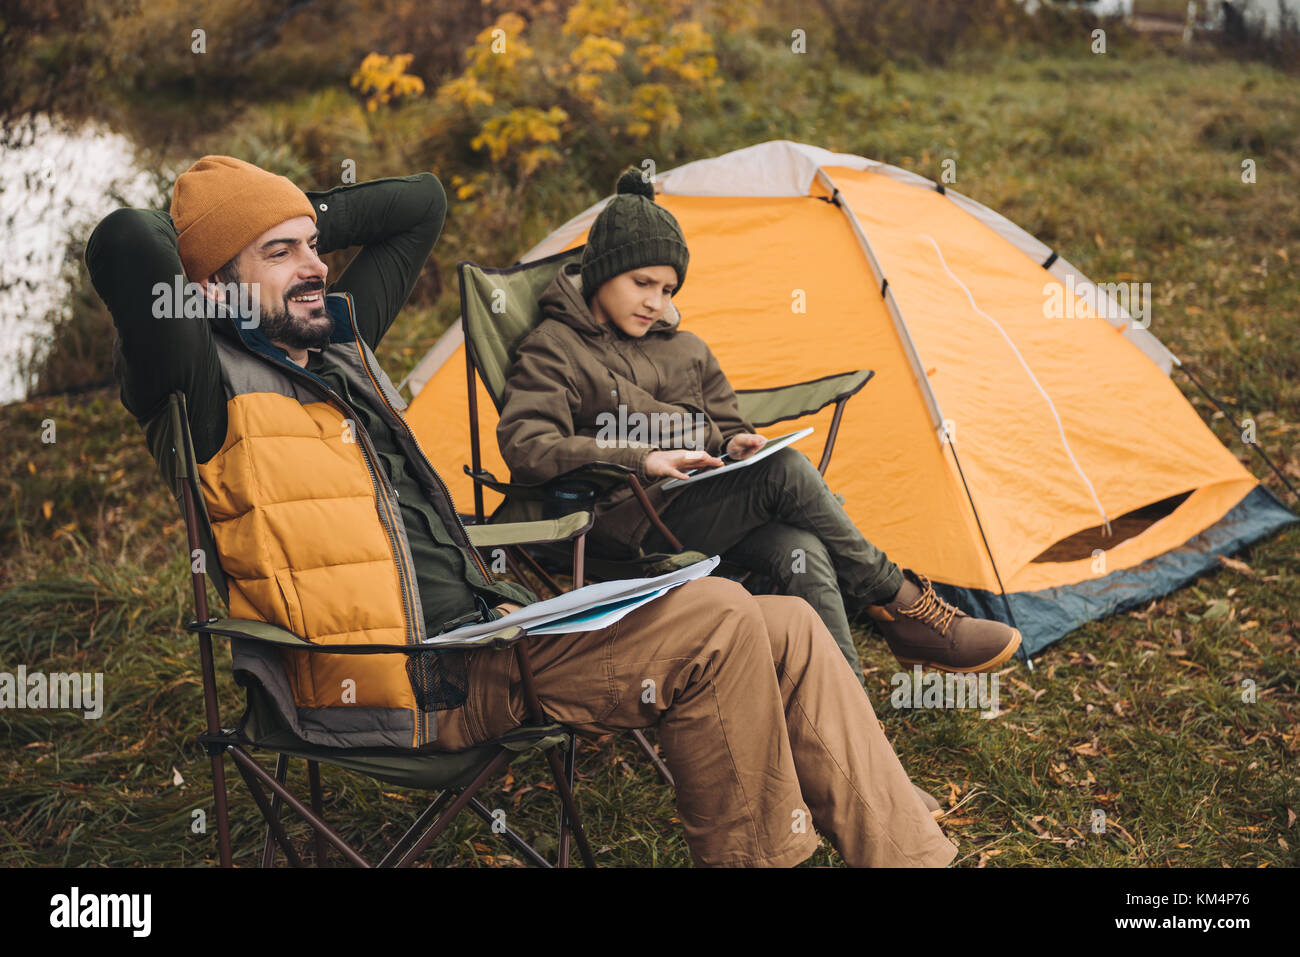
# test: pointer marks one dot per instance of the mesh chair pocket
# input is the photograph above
(440, 679)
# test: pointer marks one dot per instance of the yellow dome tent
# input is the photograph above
(1021, 443)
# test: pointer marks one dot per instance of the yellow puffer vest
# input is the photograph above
(311, 538)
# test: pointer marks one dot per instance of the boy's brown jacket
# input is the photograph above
(571, 375)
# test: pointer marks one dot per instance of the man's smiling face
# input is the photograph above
(291, 284)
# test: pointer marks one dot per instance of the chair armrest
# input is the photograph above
(765, 407)
(563, 529)
(606, 473)
(268, 633)
(251, 630)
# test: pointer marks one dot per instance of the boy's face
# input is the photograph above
(633, 301)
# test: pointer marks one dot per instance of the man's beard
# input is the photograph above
(298, 332)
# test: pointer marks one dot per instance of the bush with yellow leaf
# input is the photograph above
(609, 78)
(382, 79)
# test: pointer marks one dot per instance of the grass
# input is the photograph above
(1130, 165)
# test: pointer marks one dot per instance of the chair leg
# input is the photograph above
(570, 806)
(313, 776)
(272, 820)
(223, 812)
(208, 670)
(536, 568)
(412, 832)
(830, 436)
(565, 823)
(268, 846)
(251, 769)
(519, 844)
(485, 775)
(518, 572)
(653, 755)
(635, 485)
(580, 560)
(534, 705)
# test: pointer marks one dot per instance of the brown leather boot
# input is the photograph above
(923, 629)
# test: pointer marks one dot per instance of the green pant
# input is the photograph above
(778, 518)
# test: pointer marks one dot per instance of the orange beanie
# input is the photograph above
(221, 204)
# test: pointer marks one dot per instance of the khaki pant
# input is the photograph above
(761, 720)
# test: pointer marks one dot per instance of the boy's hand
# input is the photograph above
(670, 462)
(745, 444)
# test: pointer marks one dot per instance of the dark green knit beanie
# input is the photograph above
(632, 231)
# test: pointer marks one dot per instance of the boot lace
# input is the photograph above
(930, 609)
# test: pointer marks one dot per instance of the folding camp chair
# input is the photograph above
(492, 334)
(268, 721)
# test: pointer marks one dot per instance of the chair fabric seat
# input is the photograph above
(264, 727)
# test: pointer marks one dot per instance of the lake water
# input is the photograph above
(60, 184)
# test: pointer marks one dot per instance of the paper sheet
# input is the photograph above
(583, 609)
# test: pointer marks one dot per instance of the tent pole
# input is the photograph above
(1237, 425)
(918, 374)
(1006, 603)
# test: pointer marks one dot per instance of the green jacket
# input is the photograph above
(570, 378)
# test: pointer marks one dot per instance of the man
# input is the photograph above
(610, 347)
(330, 521)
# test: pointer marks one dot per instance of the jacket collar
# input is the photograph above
(338, 306)
(563, 301)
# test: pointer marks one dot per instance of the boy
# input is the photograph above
(611, 338)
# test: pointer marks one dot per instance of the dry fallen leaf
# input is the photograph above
(1111, 823)
(1237, 565)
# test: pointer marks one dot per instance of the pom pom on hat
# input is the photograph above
(635, 181)
(630, 232)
